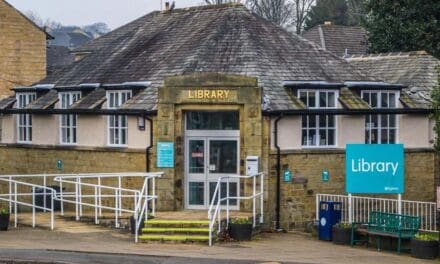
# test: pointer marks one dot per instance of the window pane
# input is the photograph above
(322, 99)
(331, 137)
(304, 137)
(303, 97)
(331, 99)
(196, 156)
(384, 121)
(392, 134)
(374, 133)
(322, 137)
(223, 156)
(312, 121)
(312, 99)
(322, 121)
(196, 193)
(312, 138)
(384, 136)
(373, 102)
(392, 100)
(213, 120)
(392, 119)
(384, 103)
(331, 121)
(374, 121)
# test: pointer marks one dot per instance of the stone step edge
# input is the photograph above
(173, 238)
(174, 230)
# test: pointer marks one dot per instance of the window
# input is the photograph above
(380, 129)
(318, 130)
(117, 124)
(68, 122)
(212, 120)
(24, 121)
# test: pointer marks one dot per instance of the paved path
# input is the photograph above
(77, 237)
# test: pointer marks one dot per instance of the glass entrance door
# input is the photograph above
(207, 159)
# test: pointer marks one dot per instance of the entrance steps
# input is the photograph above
(175, 230)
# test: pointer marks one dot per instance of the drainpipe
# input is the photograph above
(147, 150)
(278, 208)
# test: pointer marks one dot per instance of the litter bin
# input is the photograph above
(40, 197)
(329, 215)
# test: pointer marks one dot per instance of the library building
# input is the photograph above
(203, 92)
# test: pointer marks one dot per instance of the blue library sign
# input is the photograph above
(165, 155)
(374, 168)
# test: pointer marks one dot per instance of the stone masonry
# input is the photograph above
(22, 50)
(298, 197)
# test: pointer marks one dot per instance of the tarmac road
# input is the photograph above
(22, 256)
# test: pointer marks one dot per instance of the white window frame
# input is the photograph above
(317, 128)
(117, 125)
(379, 127)
(24, 121)
(68, 122)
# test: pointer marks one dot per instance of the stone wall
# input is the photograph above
(38, 160)
(22, 50)
(298, 197)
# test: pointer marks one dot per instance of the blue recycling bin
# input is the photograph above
(329, 215)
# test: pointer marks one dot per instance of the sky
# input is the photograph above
(114, 13)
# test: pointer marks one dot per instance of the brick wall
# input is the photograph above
(22, 50)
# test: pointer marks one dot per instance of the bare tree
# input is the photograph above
(50, 24)
(302, 8)
(34, 17)
(279, 12)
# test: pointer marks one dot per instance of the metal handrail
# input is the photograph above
(141, 198)
(217, 195)
(33, 206)
(358, 208)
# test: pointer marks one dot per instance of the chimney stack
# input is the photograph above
(167, 6)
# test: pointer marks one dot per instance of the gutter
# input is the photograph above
(79, 111)
(278, 167)
(147, 150)
(349, 111)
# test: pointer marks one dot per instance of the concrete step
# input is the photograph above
(177, 223)
(176, 230)
(174, 238)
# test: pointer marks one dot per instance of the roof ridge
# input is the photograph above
(204, 7)
(388, 55)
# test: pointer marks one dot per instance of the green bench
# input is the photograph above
(382, 224)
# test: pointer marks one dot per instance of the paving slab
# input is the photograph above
(269, 247)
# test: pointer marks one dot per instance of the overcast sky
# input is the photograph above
(84, 12)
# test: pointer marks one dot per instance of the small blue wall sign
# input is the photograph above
(165, 155)
(287, 176)
(59, 165)
(325, 175)
(374, 168)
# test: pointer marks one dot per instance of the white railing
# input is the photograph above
(98, 189)
(215, 207)
(357, 208)
(14, 194)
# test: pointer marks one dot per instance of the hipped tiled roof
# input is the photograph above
(339, 39)
(416, 70)
(225, 38)
(7, 102)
